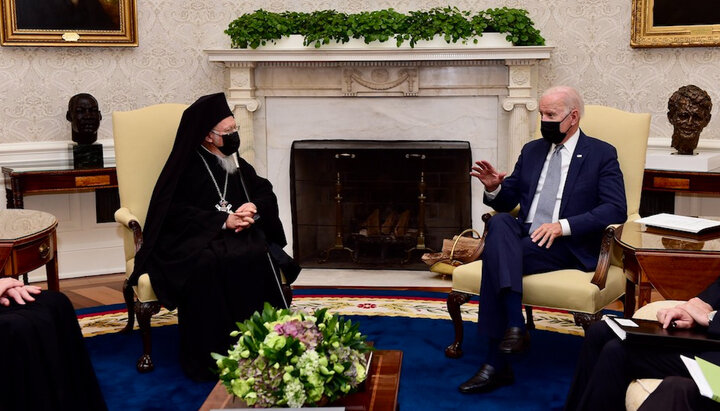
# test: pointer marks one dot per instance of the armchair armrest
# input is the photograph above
(486, 217)
(125, 217)
(603, 265)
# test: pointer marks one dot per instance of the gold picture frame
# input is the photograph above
(672, 23)
(63, 23)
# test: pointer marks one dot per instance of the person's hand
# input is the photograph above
(676, 316)
(486, 173)
(546, 234)
(11, 288)
(698, 310)
(239, 220)
(247, 207)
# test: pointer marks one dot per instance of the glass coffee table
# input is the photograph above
(678, 265)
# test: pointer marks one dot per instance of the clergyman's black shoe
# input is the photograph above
(487, 379)
(515, 340)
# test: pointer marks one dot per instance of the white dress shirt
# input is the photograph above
(566, 153)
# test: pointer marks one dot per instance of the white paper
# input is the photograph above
(679, 222)
(613, 326)
(698, 376)
(626, 322)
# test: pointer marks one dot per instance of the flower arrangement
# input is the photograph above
(292, 358)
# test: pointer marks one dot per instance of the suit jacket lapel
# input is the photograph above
(576, 162)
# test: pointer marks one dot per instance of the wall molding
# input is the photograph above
(47, 153)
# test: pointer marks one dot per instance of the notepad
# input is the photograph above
(651, 332)
(706, 375)
(680, 223)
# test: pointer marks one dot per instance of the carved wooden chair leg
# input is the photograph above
(529, 322)
(585, 320)
(454, 301)
(144, 312)
(130, 304)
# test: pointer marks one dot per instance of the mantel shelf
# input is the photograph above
(386, 54)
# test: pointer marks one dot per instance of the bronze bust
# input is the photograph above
(689, 112)
(84, 117)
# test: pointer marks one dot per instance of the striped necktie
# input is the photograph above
(548, 195)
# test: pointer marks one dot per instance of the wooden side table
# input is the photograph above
(682, 181)
(28, 240)
(660, 187)
(678, 267)
(21, 181)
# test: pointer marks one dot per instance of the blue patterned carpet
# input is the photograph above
(429, 380)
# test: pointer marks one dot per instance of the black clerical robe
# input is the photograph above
(45, 364)
(215, 276)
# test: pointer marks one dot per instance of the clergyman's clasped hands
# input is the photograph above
(242, 218)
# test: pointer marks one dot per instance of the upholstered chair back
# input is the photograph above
(628, 133)
(143, 140)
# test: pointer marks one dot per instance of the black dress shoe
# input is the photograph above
(515, 340)
(487, 379)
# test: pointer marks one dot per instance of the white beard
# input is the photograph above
(228, 163)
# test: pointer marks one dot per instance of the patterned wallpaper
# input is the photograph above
(591, 39)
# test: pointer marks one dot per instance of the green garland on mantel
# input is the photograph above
(323, 26)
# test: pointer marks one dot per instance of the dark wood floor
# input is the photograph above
(92, 291)
(98, 290)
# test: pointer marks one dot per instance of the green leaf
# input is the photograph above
(324, 26)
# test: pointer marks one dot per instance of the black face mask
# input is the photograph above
(231, 143)
(550, 130)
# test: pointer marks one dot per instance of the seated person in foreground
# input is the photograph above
(204, 241)
(45, 363)
(607, 365)
(680, 394)
(569, 188)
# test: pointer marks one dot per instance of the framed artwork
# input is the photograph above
(673, 23)
(99, 23)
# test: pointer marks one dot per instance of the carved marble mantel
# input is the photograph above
(510, 73)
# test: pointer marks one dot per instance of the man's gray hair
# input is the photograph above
(571, 98)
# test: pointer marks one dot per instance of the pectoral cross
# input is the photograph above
(224, 206)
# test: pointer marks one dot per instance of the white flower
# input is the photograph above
(294, 394)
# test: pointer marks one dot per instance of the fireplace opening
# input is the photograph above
(374, 204)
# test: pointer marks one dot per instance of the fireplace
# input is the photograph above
(485, 96)
(376, 203)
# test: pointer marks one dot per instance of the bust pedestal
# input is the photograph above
(87, 155)
(668, 160)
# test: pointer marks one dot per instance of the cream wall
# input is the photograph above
(591, 39)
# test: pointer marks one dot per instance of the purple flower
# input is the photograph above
(305, 331)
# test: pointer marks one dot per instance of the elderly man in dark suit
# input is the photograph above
(569, 188)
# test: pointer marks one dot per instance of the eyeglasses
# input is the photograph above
(227, 132)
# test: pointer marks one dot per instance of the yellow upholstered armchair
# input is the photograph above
(584, 294)
(143, 140)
